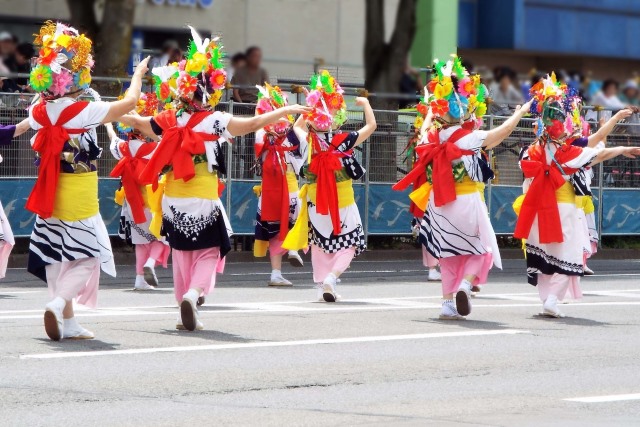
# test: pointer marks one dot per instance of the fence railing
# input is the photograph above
(385, 160)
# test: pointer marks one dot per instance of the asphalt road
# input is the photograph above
(277, 357)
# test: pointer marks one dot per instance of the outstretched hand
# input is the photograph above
(142, 67)
(524, 108)
(623, 114)
(361, 101)
(298, 109)
(632, 152)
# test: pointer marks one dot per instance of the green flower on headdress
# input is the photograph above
(41, 78)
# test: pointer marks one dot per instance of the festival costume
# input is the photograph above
(136, 217)
(7, 240)
(548, 217)
(69, 243)
(279, 154)
(194, 221)
(447, 180)
(329, 218)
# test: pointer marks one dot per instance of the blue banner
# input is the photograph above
(388, 210)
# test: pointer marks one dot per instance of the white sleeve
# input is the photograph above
(219, 122)
(115, 147)
(93, 115)
(473, 141)
(585, 157)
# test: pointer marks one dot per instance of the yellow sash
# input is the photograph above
(586, 204)
(154, 198)
(420, 196)
(120, 195)
(292, 183)
(566, 194)
(204, 185)
(298, 236)
(76, 196)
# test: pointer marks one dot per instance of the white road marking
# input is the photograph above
(602, 399)
(214, 347)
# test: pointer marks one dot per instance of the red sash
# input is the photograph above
(440, 156)
(49, 143)
(275, 188)
(128, 169)
(177, 147)
(540, 199)
(324, 164)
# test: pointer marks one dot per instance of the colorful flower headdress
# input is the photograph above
(202, 70)
(271, 98)
(64, 60)
(453, 94)
(148, 106)
(326, 97)
(557, 108)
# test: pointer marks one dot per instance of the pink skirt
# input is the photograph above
(196, 269)
(77, 279)
(324, 263)
(453, 269)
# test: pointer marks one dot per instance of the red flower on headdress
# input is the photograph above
(334, 101)
(422, 109)
(556, 130)
(187, 84)
(165, 91)
(440, 107)
(431, 86)
(47, 56)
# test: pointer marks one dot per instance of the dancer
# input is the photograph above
(194, 221)
(329, 214)
(280, 156)
(132, 155)
(7, 241)
(69, 243)
(456, 227)
(548, 217)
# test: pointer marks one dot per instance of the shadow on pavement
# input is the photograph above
(206, 335)
(78, 345)
(572, 321)
(468, 323)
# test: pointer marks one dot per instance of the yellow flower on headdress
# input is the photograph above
(481, 109)
(443, 88)
(215, 97)
(417, 123)
(196, 64)
(63, 40)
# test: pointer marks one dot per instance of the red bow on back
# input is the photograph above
(440, 156)
(540, 199)
(275, 189)
(49, 143)
(324, 164)
(129, 169)
(177, 147)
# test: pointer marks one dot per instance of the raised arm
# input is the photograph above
(497, 135)
(142, 124)
(121, 107)
(111, 133)
(610, 153)
(369, 119)
(239, 126)
(606, 129)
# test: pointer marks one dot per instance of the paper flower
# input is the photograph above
(62, 82)
(196, 63)
(481, 109)
(443, 89)
(41, 78)
(440, 107)
(322, 121)
(218, 79)
(458, 107)
(466, 87)
(187, 84)
(334, 101)
(82, 79)
(263, 106)
(313, 98)
(215, 97)
(47, 56)
(340, 117)
(422, 109)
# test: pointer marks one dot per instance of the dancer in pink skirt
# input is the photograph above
(69, 244)
(189, 154)
(456, 227)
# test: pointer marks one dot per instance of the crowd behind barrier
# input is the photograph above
(384, 159)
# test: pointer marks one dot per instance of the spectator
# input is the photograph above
(249, 76)
(629, 94)
(238, 61)
(24, 53)
(410, 84)
(8, 43)
(176, 55)
(607, 96)
(163, 59)
(503, 92)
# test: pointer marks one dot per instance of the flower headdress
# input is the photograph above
(201, 72)
(64, 60)
(557, 108)
(271, 98)
(148, 106)
(453, 95)
(326, 98)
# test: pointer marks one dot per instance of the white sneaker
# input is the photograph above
(550, 307)
(434, 275)
(294, 259)
(449, 311)
(73, 331)
(189, 310)
(141, 284)
(180, 326)
(320, 293)
(329, 288)
(278, 280)
(463, 298)
(53, 322)
(150, 275)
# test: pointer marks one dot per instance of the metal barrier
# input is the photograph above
(384, 158)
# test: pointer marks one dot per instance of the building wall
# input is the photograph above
(292, 33)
